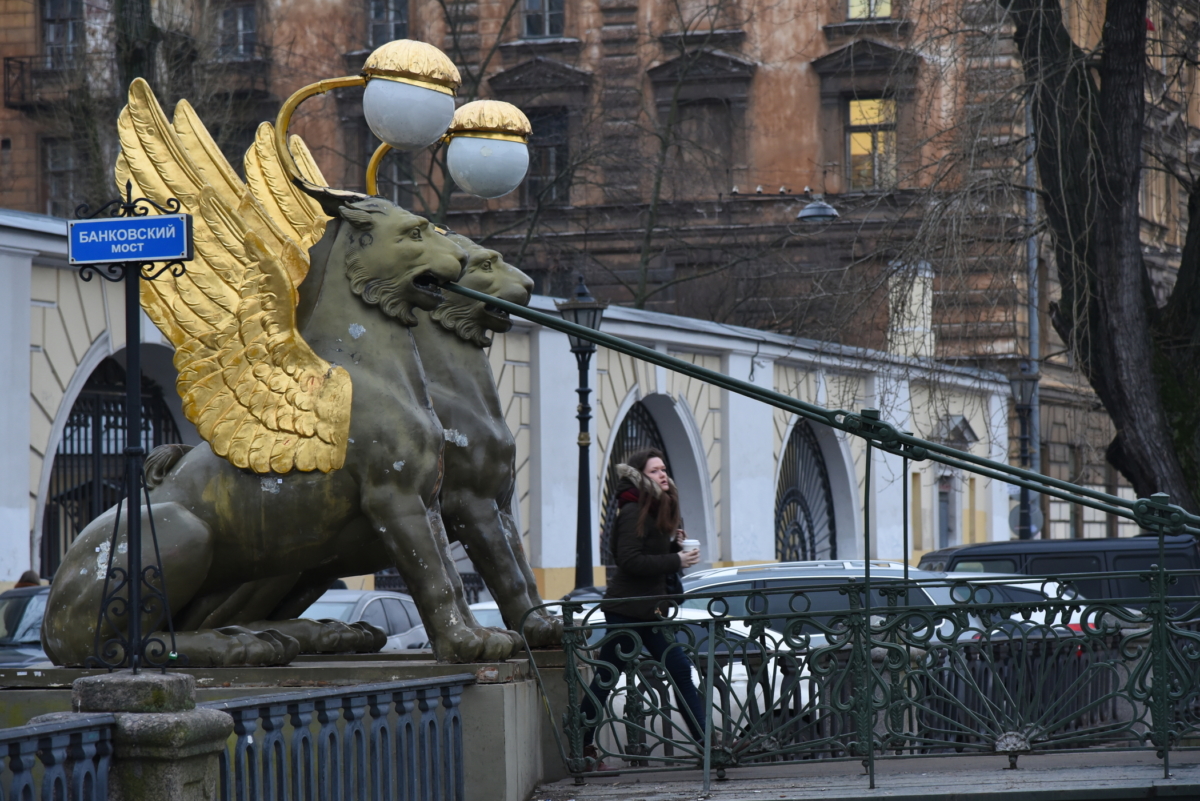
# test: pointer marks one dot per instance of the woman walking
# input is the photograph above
(647, 546)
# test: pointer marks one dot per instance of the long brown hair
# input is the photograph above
(667, 514)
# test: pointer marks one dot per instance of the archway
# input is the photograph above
(87, 474)
(638, 430)
(805, 518)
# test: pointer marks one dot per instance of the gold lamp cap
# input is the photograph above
(504, 120)
(413, 62)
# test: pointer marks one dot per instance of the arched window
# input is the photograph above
(637, 431)
(88, 475)
(804, 523)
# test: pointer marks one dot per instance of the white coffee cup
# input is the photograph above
(691, 545)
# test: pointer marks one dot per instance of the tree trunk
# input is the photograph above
(1089, 157)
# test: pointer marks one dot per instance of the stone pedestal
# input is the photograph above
(163, 746)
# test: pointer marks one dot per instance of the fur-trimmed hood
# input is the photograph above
(640, 481)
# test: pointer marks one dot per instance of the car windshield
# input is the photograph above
(490, 618)
(21, 618)
(329, 610)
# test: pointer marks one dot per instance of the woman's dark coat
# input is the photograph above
(645, 562)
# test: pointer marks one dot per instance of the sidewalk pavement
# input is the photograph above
(1097, 775)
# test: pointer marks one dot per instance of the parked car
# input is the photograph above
(820, 582)
(1058, 558)
(21, 613)
(393, 612)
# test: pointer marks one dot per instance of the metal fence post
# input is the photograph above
(863, 684)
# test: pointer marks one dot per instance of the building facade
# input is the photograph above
(673, 146)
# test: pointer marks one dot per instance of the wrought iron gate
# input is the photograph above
(804, 523)
(637, 431)
(89, 466)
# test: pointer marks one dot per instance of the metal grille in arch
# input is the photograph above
(88, 473)
(804, 522)
(637, 431)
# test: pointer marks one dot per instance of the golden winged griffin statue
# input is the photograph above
(348, 413)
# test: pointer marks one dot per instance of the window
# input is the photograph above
(1058, 566)
(543, 18)
(1061, 525)
(397, 617)
(1134, 587)
(1127, 528)
(947, 530)
(704, 147)
(388, 21)
(60, 177)
(548, 180)
(375, 615)
(987, 566)
(237, 36)
(868, 9)
(62, 32)
(395, 180)
(871, 143)
(1094, 522)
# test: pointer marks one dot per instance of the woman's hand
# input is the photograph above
(689, 558)
(680, 536)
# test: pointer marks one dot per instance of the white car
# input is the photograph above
(393, 612)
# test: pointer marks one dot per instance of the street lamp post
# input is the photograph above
(586, 311)
(1023, 386)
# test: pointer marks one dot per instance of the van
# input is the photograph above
(1055, 558)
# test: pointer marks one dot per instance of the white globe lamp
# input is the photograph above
(409, 99)
(488, 154)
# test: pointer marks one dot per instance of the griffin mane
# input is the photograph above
(381, 292)
(459, 318)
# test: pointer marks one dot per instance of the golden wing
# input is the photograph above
(250, 383)
(296, 213)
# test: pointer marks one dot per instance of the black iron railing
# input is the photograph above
(34, 81)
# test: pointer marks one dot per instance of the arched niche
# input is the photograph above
(843, 484)
(685, 452)
(157, 366)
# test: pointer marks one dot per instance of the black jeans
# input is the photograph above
(676, 662)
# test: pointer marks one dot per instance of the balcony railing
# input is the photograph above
(32, 82)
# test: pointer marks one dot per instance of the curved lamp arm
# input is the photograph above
(373, 168)
(285, 118)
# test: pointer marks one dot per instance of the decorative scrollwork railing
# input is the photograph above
(783, 677)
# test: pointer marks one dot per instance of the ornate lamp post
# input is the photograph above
(408, 103)
(586, 311)
(1023, 386)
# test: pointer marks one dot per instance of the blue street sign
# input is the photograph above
(164, 237)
